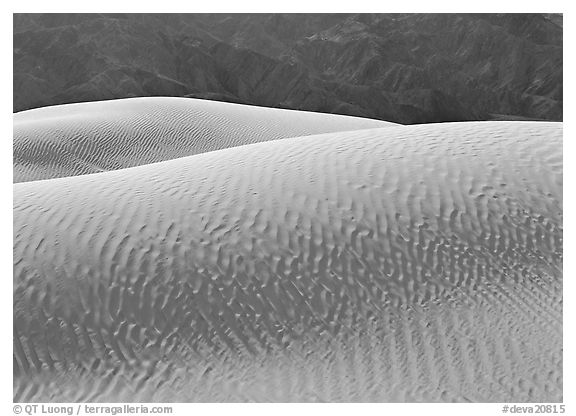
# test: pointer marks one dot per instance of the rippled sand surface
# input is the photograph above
(76, 139)
(410, 263)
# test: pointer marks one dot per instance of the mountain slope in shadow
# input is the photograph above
(407, 68)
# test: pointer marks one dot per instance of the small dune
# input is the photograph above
(77, 139)
(383, 263)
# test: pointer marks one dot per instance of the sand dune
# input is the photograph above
(419, 263)
(75, 139)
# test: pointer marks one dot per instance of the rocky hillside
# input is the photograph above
(407, 68)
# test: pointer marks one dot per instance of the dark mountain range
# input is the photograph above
(407, 68)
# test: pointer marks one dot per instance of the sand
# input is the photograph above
(417, 263)
(76, 139)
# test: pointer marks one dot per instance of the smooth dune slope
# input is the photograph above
(76, 139)
(419, 263)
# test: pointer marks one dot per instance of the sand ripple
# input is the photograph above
(77, 139)
(419, 263)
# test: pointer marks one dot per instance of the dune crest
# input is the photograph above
(76, 139)
(419, 263)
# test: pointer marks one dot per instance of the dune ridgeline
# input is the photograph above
(185, 250)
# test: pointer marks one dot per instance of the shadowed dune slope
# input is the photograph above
(76, 139)
(419, 263)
